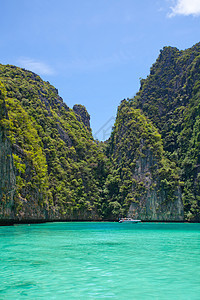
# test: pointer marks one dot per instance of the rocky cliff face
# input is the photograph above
(82, 115)
(8, 180)
(169, 97)
(157, 202)
(146, 183)
(7, 175)
(57, 164)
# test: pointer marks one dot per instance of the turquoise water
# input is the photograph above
(100, 261)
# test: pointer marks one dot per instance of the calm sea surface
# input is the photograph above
(100, 261)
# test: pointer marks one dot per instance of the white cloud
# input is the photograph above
(186, 8)
(35, 66)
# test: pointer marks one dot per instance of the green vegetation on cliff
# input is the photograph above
(169, 97)
(58, 165)
(51, 167)
(141, 175)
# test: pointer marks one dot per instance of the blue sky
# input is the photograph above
(94, 51)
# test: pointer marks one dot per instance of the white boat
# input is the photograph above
(128, 220)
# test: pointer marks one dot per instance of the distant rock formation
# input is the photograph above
(82, 115)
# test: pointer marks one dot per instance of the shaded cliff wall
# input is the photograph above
(7, 175)
(157, 202)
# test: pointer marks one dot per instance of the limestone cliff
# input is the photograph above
(169, 97)
(144, 184)
(48, 155)
(82, 115)
(7, 175)
(157, 203)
